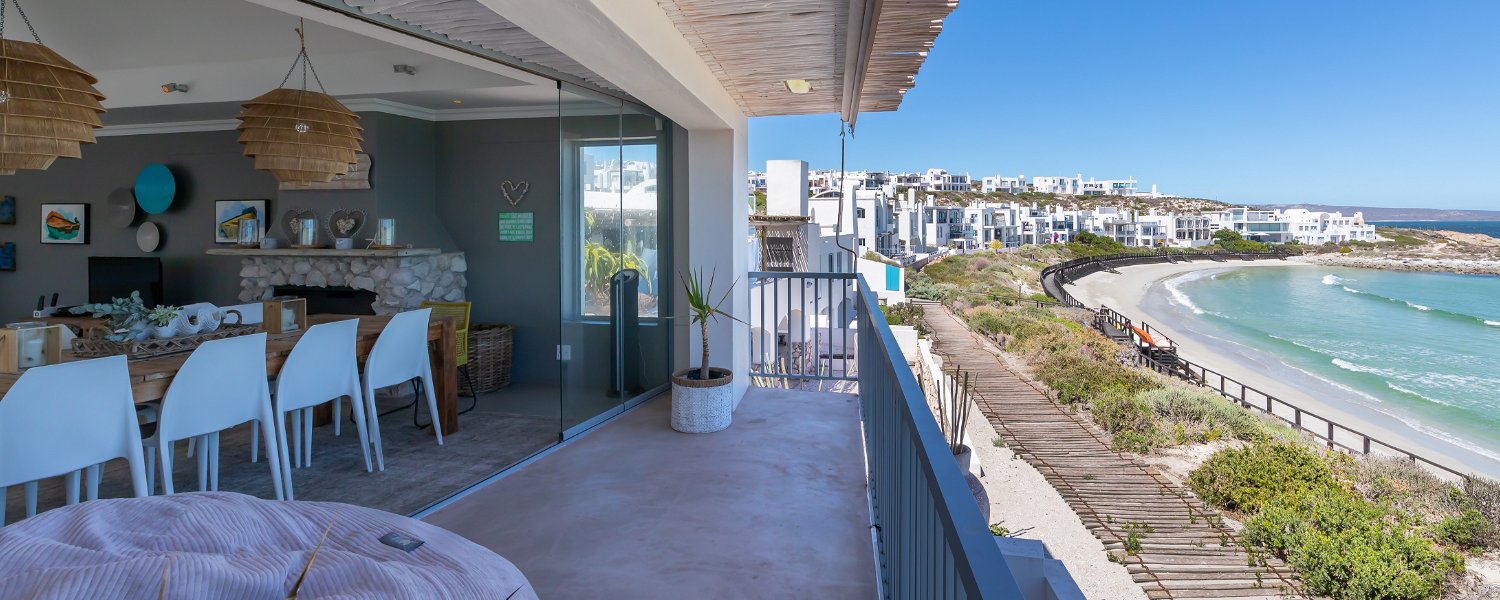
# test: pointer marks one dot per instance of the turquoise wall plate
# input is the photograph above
(155, 188)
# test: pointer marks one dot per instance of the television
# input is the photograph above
(117, 276)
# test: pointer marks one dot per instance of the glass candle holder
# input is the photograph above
(307, 235)
(385, 234)
(250, 232)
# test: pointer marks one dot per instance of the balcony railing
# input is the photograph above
(802, 326)
(931, 539)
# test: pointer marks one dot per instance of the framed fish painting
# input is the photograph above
(7, 256)
(228, 214)
(65, 223)
(8, 210)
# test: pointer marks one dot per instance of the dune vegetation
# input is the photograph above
(1354, 527)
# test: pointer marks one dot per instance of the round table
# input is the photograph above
(225, 545)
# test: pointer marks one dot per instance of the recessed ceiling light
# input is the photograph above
(457, 101)
(798, 86)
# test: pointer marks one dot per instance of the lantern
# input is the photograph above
(300, 135)
(48, 105)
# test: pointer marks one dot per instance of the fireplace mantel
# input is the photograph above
(325, 252)
(402, 278)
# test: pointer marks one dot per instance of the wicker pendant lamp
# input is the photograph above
(48, 106)
(300, 135)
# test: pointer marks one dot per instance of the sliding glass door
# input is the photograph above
(616, 233)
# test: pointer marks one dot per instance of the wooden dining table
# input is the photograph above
(150, 377)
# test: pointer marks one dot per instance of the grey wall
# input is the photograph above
(208, 166)
(509, 282)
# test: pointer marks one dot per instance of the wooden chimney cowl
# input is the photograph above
(50, 107)
(300, 135)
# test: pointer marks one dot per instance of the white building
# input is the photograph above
(1309, 227)
(1003, 184)
(940, 180)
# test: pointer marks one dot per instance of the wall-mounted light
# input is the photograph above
(798, 86)
(404, 69)
(167, 88)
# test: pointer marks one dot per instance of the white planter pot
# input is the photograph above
(164, 331)
(702, 406)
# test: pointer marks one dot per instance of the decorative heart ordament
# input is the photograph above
(346, 223)
(514, 193)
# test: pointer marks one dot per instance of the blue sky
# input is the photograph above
(1373, 102)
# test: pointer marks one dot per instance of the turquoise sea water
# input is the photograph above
(1421, 347)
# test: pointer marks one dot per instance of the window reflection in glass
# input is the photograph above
(620, 222)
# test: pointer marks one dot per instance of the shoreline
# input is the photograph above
(1138, 292)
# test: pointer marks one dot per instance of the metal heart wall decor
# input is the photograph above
(514, 192)
(292, 222)
(346, 223)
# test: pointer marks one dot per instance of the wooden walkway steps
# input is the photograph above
(1185, 549)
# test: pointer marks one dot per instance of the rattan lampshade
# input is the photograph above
(300, 135)
(48, 107)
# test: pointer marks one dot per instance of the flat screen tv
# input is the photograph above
(115, 277)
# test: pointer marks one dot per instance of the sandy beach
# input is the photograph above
(1138, 292)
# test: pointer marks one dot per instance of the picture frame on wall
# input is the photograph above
(228, 214)
(8, 210)
(7, 256)
(65, 224)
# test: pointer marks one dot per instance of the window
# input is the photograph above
(620, 220)
(859, 213)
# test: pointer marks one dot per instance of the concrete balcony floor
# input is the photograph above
(774, 506)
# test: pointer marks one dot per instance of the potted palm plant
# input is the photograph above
(702, 397)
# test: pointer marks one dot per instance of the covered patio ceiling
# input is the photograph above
(858, 55)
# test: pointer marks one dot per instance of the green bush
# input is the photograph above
(1123, 413)
(1349, 548)
(1216, 416)
(1245, 479)
(1468, 530)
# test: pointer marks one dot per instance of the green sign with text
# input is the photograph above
(517, 227)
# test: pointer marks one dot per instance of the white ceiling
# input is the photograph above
(229, 51)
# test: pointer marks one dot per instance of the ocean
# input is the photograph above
(1489, 228)
(1420, 347)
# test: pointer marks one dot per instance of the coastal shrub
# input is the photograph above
(1468, 530)
(1410, 488)
(1485, 494)
(1116, 413)
(1346, 547)
(1245, 479)
(1216, 416)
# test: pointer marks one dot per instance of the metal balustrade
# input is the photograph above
(932, 540)
(803, 325)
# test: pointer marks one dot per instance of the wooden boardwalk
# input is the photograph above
(1185, 549)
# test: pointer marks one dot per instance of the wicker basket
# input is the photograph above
(490, 351)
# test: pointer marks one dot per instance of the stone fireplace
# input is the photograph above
(400, 279)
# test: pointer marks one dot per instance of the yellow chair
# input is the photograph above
(459, 312)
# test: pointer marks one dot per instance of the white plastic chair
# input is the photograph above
(59, 419)
(399, 356)
(221, 385)
(320, 368)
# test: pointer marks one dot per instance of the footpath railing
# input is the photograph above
(932, 540)
(1335, 435)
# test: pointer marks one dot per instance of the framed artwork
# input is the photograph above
(228, 214)
(65, 223)
(7, 256)
(8, 210)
